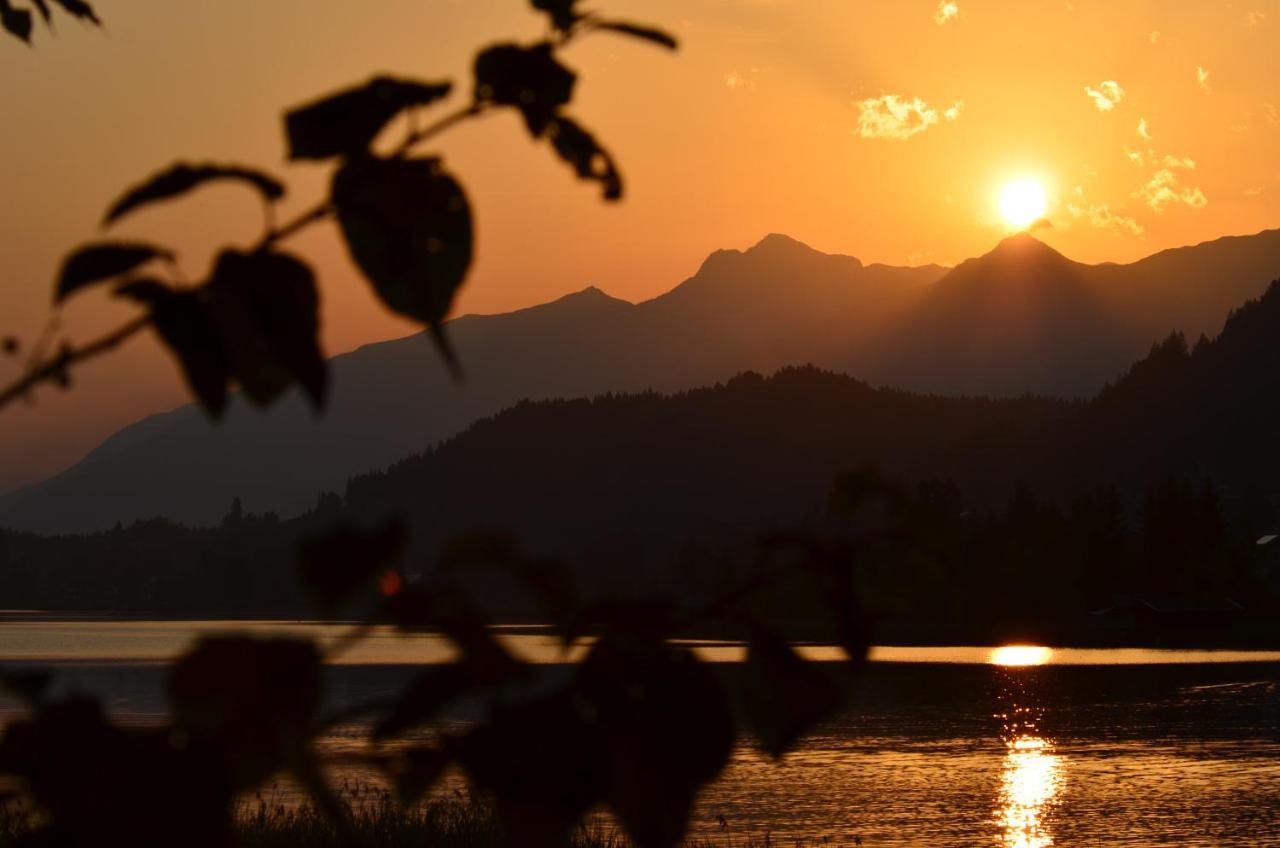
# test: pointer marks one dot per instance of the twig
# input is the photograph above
(53, 368)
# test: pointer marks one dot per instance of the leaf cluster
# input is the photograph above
(19, 22)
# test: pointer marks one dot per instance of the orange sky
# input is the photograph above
(879, 129)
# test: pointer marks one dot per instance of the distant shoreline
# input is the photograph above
(1248, 634)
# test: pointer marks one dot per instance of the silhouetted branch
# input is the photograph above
(55, 369)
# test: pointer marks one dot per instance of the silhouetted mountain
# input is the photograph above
(1020, 505)
(1020, 319)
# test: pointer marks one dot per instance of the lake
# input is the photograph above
(1020, 747)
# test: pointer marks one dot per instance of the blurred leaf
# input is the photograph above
(441, 608)
(347, 122)
(337, 564)
(666, 728)
(79, 9)
(28, 686)
(183, 324)
(589, 160)
(526, 78)
(265, 308)
(407, 225)
(88, 777)
(783, 695)
(96, 262)
(650, 34)
(249, 702)
(543, 765)
(16, 21)
(416, 770)
(182, 177)
(562, 13)
(42, 6)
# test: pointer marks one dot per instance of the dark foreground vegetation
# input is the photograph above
(376, 822)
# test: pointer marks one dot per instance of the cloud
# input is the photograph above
(1174, 162)
(1163, 190)
(1254, 17)
(1253, 191)
(1106, 95)
(1142, 129)
(1202, 78)
(1100, 215)
(891, 116)
(948, 10)
(1154, 36)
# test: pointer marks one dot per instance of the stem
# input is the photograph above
(55, 368)
(419, 136)
(68, 356)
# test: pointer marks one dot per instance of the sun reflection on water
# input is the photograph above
(1020, 655)
(1032, 773)
(1029, 782)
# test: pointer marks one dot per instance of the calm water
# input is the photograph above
(953, 746)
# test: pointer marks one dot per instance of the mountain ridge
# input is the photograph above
(777, 303)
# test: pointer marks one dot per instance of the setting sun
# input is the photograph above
(1023, 202)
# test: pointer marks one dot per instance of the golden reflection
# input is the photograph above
(1029, 783)
(1021, 655)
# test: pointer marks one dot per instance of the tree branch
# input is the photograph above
(56, 368)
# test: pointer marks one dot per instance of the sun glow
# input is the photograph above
(1023, 202)
(1021, 655)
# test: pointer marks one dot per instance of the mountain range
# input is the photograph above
(1021, 319)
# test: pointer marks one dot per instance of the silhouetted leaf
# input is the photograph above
(527, 78)
(783, 695)
(182, 177)
(249, 702)
(96, 262)
(26, 685)
(79, 9)
(87, 776)
(543, 764)
(337, 564)
(590, 161)
(265, 308)
(562, 13)
(348, 121)
(651, 34)
(10, 345)
(42, 6)
(183, 324)
(407, 224)
(416, 770)
(666, 728)
(16, 21)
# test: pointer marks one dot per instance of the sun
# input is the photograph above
(1023, 202)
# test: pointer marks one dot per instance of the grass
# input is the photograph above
(378, 822)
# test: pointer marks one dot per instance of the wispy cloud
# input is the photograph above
(948, 10)
(1253, 191)
(1142, 129)
(1163, 190)
(1202, 78)
(1106, 95)
(1154, 36)
(892, 116)
(1254, 17)
(1100, 215)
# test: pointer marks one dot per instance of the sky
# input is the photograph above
(883, 129)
